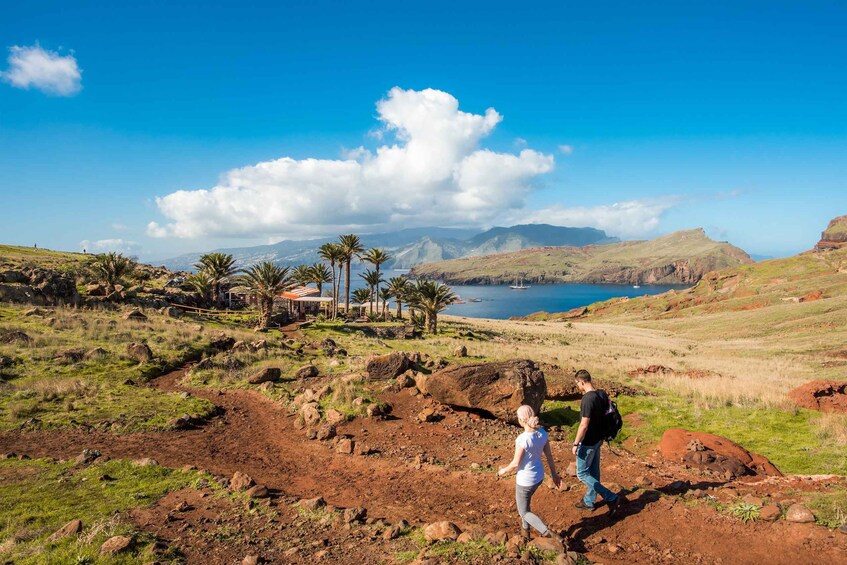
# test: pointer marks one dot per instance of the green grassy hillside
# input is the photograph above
(681, 257)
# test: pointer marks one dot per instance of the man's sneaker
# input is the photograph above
(614, 506)
(583, 506)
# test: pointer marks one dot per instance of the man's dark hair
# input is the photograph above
(583, 375)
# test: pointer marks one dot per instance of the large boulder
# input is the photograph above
(497, 388)
(822, 395)
(384, 367)
(266, 375)
(139, 352)
(714, 454)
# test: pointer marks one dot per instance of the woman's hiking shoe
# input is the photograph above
(552, 534)
(583, 506)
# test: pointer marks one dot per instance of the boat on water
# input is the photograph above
(474, 300)
(636, 285)
(519, 286)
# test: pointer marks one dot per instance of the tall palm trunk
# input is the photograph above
(399, 309)
(267, 309)
(334, 280)
(347, 287)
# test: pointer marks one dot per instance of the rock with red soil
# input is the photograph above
(812, 296)
(721, 456)
(438, 531)
(139, 352)
(72, 528)
(384, 367)
(770, 513)
(353, 515)
(334, 417)
(497, 538)
(834, 236)
(548, 544)
(799, 514)
(311, 504)
(497, 388)
(345, 446)
(460, 351)
(822, 395)
(115, 544)
(310, 414)
(266, 375)
(325, 432)
(258, 491)
(240, 481)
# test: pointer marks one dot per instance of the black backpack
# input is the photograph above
(612, 421)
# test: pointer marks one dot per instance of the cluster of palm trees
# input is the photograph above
(111, 268)
(266, 281)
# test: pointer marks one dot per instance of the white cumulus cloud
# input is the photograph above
(48, 71)
(566, 149)
(128, 248)
(629, 218)
(430, 170)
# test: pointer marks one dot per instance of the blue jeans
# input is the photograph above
(588, 471)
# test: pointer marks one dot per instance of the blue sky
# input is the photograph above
(638, 118)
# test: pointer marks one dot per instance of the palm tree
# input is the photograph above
(266, 281)
(203, 285)
(220, 267)
(319, 274)
(372, 279)
(350, 245)
(361, 295)
(376, 257)
(111, 268)
(301, 274)
(384, 295)
(332, 253)
(399, 288)
(431, 297)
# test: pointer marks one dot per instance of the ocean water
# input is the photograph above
(501, 302)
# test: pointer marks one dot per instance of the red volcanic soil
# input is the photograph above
(826, 396)
(423, 472)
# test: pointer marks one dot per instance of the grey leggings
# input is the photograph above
(523, 496)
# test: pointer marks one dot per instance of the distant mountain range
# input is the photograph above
(412, 247)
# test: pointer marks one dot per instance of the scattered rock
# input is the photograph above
(497, 538)
(135, 315)
(310, 414)
(405, 380)
(384, 367)
(325, 432)
(145, 462)
(498, 388)
(334, 417)
(258, 491)
(139, 352)
(115, 544)
(391, 533)
(445, 530)
(250, 560)
(15, 336)
(571, 470)
(427, 415)
(311, 504)
(378, 409)
(307, 372)
(96, 353)
(460, 351)
(240, 481)
(547, 544)
(266, 375)
(345, 446)
(69, 356)
(843, 529)
(770, 513)
(352, 515)
(799, 514)
(72, 528)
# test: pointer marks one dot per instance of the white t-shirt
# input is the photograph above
(531, 467)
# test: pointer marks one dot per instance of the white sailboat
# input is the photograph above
(519, 286)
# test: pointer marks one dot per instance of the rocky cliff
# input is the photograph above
(834, 236)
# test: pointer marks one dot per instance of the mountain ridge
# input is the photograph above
(414, 246)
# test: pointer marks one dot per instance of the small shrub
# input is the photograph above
(745, 512)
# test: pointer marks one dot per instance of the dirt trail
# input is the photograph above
(258, 436)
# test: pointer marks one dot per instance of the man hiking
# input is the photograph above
(589, 439)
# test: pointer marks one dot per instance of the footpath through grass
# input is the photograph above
(37, 497)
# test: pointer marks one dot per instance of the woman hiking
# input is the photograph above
(530, 470)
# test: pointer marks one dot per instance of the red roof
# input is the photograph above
(299, 292)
